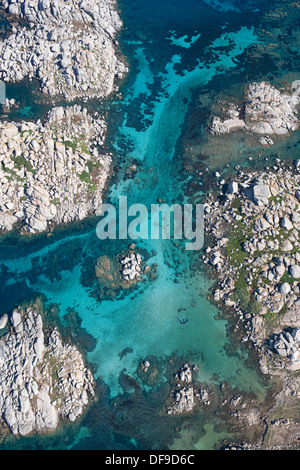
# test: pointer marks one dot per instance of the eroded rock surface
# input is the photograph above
(74, 58)
(265, 111)
(52, 173)
(42, 380)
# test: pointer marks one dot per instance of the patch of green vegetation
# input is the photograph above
(21, 162)
(283, 310)
(246, 301)
(12, 175)
(55, 202)
(29, 131)
(237, 204)
(254, 307)
(234, 247)
(84, 176)
(92, 187)
(71, 144)
(241, 295)
(85, 149)
(78, 143)
(276, 199)
(92, 164)
(271, 320)
(287, 278)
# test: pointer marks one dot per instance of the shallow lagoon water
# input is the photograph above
(172, 55)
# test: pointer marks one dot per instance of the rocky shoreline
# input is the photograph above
(253, 225)
(265, 111)
(76, 59)
(43, 381)
(52, 173)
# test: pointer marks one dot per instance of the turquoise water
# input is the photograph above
(176, 51)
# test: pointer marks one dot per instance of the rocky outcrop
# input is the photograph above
(219, 127)
(52, 173)
(121, 272)
(269, 220)
(3, 322)
(74, 58)
(266, 141)
(287, 345)
(255, 255)
(261, 193)
(42, 380)
(187, 394)
(291, 318)
(183, 400)
(131, 266)
(266, 111)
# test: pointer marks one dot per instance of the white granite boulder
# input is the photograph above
(294, 271)
(3, 321)
(287, 345)
(261, 193)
